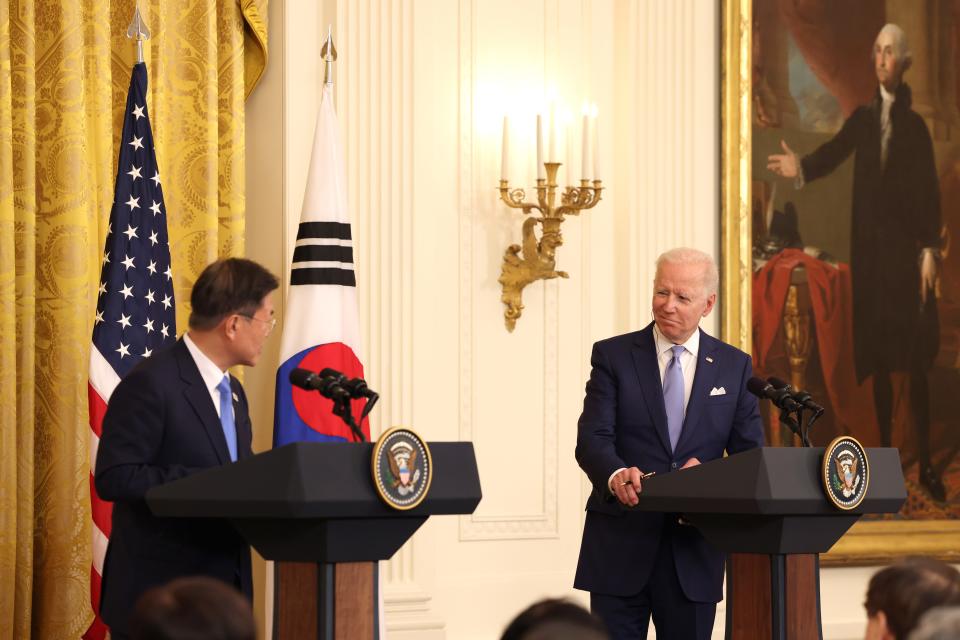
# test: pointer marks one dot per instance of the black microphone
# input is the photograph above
(802, 397)
(780, 397)
(329, 386)
(358, 388)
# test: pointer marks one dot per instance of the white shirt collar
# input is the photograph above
(663, 344)
(885, 95)
(210, 372)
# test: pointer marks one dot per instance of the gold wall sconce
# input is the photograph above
(536, 259)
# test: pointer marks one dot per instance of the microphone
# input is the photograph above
(802, 397)
(357, 387)
(780, 397)
(329, 386)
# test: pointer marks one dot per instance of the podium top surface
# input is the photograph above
(771, 481)
(316, 480)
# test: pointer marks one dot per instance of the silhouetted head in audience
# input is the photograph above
(900, 594)
(555, 619)
(193, 608)
(940, 623)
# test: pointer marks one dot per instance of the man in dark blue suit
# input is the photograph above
(659, 400)
(176, 413)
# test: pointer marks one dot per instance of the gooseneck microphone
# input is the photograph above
(329, 386)
(802, 397)
(780, 397)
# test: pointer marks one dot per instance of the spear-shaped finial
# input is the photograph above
(329, 54)
(138, 30)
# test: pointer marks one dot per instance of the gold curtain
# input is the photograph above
(64, 72)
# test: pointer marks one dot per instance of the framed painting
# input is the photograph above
(840, 194)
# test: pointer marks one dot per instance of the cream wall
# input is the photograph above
(421, 89)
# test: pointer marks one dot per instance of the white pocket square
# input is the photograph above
(718, 391)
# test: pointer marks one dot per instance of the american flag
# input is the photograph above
(135, 310)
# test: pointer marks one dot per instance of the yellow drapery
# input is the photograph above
(64, 72)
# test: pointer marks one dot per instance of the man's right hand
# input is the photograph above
(785, 164)
(626, 486)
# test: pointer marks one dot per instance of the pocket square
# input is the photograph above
(718, 391)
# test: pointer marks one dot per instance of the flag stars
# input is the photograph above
(148, 325)
(106, 257)
(155, 207)
(131, 232)
(153, 238)
(127, 291)
(152, 268)
(124, 321)
(147, 352)
(124, 350)
(133, 203)
(156, 179)
(102, 288)
(149, 297)
(166, 302)
(168, 273)
(165, 331)
(134, 172)
(99, 317)
(136, 143)
(138, 111)
(127, 262)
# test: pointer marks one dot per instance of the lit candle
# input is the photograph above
(552, 154)
(504, 165)
(596, 146)
(540, 172)
(585, 162)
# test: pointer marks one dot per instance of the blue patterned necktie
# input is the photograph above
(673, 396)
(226, 416)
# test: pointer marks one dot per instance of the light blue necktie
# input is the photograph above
(226, 416)
(673, 396)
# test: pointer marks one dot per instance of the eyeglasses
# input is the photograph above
(271, 323)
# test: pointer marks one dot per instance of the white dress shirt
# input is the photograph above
(210, 372)
(886, 101)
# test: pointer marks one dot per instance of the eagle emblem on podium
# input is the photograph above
(845, 472)
(402, 468)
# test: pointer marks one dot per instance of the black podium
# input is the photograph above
(313, 509)
(767, 509)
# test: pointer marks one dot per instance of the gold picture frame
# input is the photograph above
(868, 542)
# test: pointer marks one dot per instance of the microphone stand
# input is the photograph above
(341, 409)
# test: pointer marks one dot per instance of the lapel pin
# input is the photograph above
(235, 398)
(709, 359)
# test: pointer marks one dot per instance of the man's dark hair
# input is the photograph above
(193, 608)
(904, 591)
(555, 619)
(231, 285)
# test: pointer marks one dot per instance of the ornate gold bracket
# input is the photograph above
(538, 261)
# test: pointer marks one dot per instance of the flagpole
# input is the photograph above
(138, 31)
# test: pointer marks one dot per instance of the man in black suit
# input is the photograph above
(176, 413)
(659, 400)
(894, 240)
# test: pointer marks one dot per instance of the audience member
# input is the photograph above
(555, 619)
(193, 608)
(900, 594)
(940, 623)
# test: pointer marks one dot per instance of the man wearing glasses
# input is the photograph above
(178, 412)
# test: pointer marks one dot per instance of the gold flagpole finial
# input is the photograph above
(138, 30)
(329, 55)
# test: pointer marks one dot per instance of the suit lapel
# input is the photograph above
(703, 383)
(644, 354)
(199, 399)
(241, 420)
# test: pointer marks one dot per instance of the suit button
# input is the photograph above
(673, 465)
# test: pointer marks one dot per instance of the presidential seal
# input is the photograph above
(846, 472)
(402, 468)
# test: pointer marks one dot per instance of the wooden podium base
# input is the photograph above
(773, 596)
(327, 601)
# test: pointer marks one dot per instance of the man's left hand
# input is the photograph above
(928, 275)
(692, 462)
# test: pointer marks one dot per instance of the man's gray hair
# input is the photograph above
(686, 255)
(900, 46)
(939, 623)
